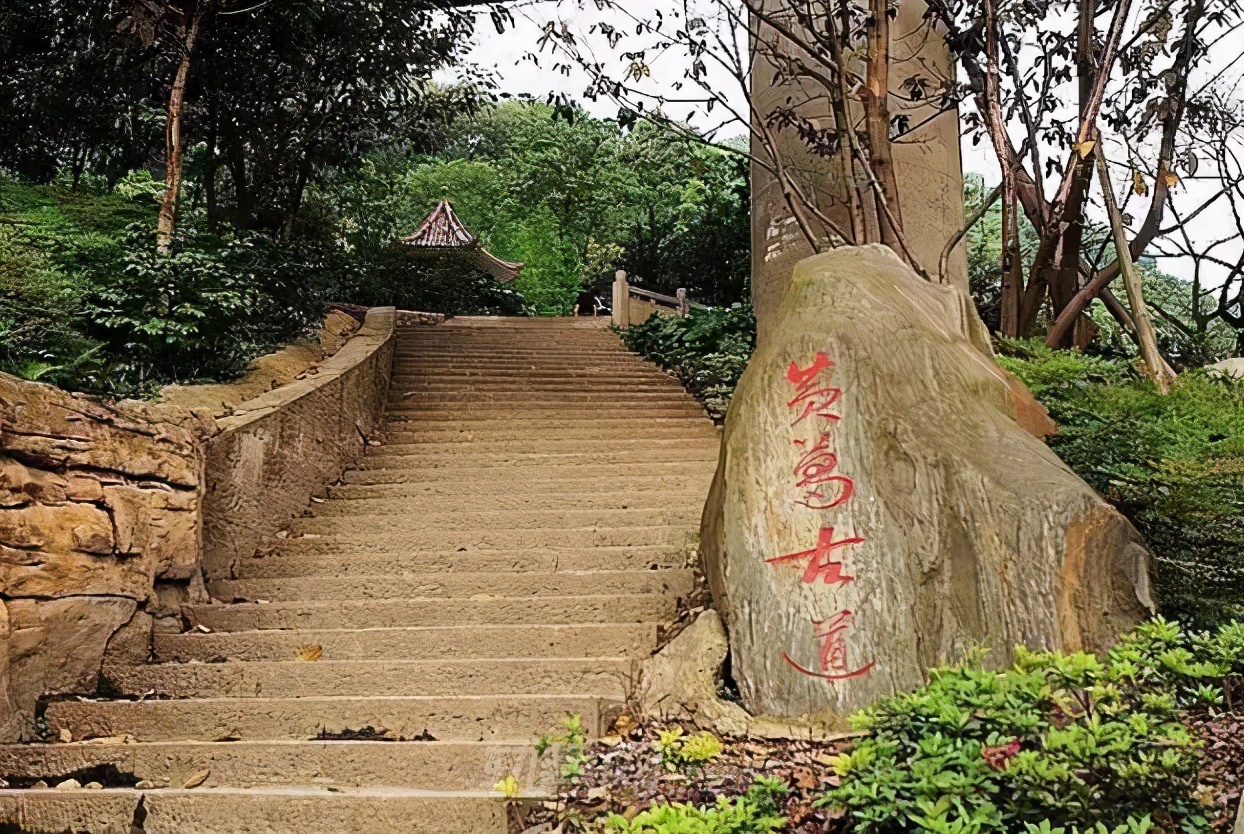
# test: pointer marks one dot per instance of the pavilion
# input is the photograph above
(442, 236)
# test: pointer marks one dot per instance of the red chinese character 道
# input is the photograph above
(835, 663)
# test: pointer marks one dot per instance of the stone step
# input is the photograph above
(519, 421)
(369, 515)
(504, 413)
(623, 382)
(388, 613)
(454, 718)
(511, 675)
(342, 502)
(637, 489)
(521, 399)
(279, 564)
(455, 585)
(626, 433)
(480, 643)
(430, 765)
(533, 476)
(388, 541)
(284, 810)
(396, 457)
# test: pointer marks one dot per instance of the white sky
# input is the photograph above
(505, 55)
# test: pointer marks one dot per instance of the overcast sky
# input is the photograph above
(506, 55)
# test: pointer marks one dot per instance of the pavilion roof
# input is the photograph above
(442, 233)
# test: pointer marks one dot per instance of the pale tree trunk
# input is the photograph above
(174, 145)
(1156, 367)
(877, 124)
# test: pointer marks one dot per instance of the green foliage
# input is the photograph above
(1174, 464)
(203, 310)
(572, 197)
(757, 812)
(708, 349)
(87, 303)
(681, 752)
(1054, 742)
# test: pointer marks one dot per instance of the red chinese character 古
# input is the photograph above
(812, 395)
(816, 469)
(834, 660)
(821, 564)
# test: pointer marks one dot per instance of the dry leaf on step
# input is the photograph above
(310, 654)
(65, 735)
(196, 779)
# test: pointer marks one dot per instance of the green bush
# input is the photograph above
(1173, 464)
(1055, 741)
(757, 812)
(708, 349)
(205, 308)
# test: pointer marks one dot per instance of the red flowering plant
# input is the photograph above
(1055, 741)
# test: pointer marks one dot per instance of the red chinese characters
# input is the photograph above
(822, 487)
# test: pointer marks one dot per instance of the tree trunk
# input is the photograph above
(1155, 365)
(174, 144)
(877, 123)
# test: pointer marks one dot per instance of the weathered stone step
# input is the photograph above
(390, 457)
(458, 718)
(430, 765)
(516, 675)
(350, 499)
(636, 488)
(388, 613)
(368, 515)
(285, 810)
(391, 540)
(279, 563)
(698, 431)
(455, 585)
(417, 373)
(518, 423)
(612, 475)
(482, 643)
(521, 398)
(503, 412)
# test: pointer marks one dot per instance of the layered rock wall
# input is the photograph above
(109, 511)
(99, 506)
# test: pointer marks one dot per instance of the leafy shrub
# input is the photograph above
(755, 813)
(679, 751)
(708, 349)
(1173, 464)
(202, 310)
(1055, 741)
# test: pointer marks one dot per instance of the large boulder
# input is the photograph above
(882, 503)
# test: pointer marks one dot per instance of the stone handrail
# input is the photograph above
(277, 451)
(632, 305)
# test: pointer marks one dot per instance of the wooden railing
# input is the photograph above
(623, 294)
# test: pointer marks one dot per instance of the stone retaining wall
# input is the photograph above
(99, 506)
(278, 450)
(110, 511)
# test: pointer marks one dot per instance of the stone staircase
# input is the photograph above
(504, 558)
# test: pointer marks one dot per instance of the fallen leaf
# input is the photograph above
(310, 654)
(1085, 148)
(196, 779)
(1171, 179)
(1138, 183)
(65, 735)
